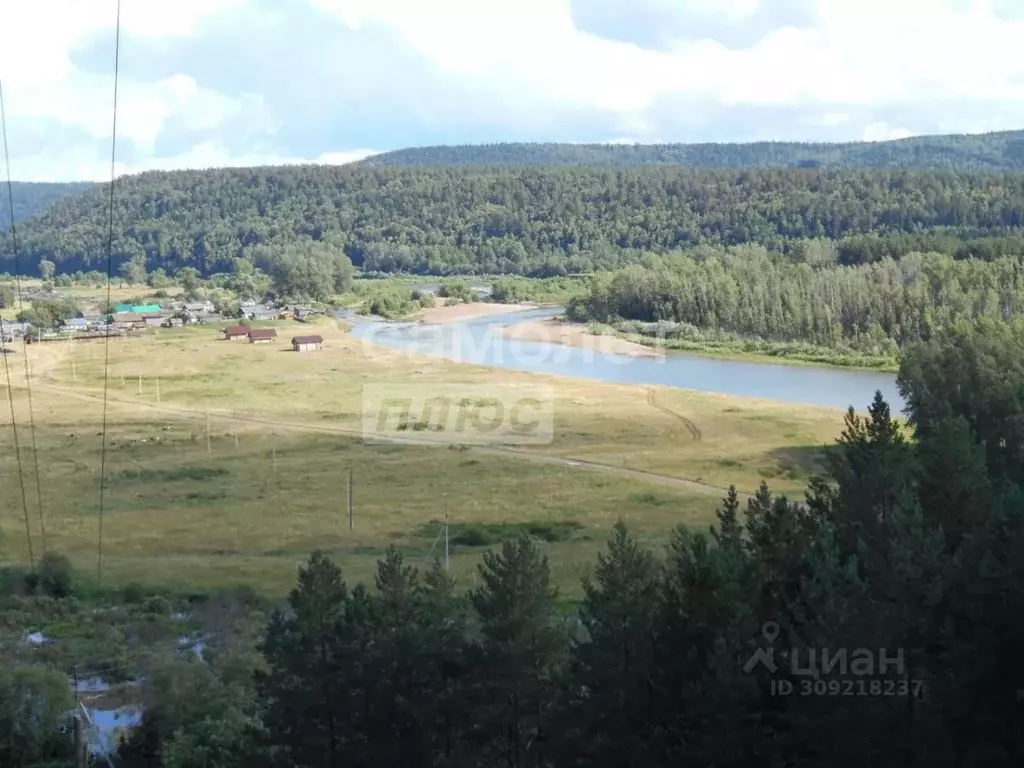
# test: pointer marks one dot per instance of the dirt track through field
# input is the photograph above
(563, 461)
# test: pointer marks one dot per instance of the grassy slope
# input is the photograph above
(176, 514)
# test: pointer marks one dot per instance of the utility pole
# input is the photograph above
(140, 383)
(158, 390)
(74, 372)
(447, 562)
(351, 515)
(273, 444)
(208, 448)
(80, 747)
(234, 424)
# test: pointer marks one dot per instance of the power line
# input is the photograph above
(106, 340)
(10, 388)
(24, 339)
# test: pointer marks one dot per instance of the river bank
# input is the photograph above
(471, 311)
(604, 337)
(555, 330)
(757, 351)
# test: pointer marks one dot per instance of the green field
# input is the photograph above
(247, 506)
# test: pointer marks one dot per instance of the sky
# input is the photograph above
(206, 83)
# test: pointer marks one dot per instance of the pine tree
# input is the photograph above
(729, 533)
(396, 724)
(444, 635)
(612, 665)
(706, 708)
(521, 644)
(304, 712)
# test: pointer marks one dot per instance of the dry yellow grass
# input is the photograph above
(176, 513)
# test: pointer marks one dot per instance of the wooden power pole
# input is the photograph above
(80, 745)
(351, 513)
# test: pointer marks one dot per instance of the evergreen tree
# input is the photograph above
(612, 665)
(304, 710)
(521, 643)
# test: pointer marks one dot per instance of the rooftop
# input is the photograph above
(308, 340)
(263, 333)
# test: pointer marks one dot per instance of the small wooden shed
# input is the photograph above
(236, 332)
(307, 343)
(262, 335)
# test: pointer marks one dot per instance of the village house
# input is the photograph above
(129, 320)
(11, 330)
(262, 335)
(173, 322)
(307, 343)
(236, 332)
(74, 325)
(153, 320)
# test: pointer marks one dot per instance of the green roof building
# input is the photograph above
(143, 309)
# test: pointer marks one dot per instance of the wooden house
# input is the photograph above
(262, 336)
(307, 343)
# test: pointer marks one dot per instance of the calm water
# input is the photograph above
(480, 342)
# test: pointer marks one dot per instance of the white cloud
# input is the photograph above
(377, 73)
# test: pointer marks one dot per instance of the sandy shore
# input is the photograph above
(441, 314)
(556, 331)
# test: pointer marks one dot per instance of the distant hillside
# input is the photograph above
(983, 152)
(32, 197)
(526, 220)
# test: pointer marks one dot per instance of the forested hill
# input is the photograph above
(537, 221)
(1002, 151)
(32, 197)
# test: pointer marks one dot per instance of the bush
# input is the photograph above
(157, 605)
(134, 593)
(54, 577)
(458, 289)
(427, 301)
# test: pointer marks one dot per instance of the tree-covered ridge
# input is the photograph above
(32, 197)
(534, 221)
(1000, 151)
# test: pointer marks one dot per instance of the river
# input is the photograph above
(479, 341)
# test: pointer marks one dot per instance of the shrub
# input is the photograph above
(55, 576)
(157, 605)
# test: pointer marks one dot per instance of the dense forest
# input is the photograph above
(528, 221)
(1002, 151)
(32, 197)
(879, 622)
(878, 308)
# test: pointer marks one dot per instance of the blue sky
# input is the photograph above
(239, 82)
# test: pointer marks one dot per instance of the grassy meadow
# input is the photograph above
(249, 504)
